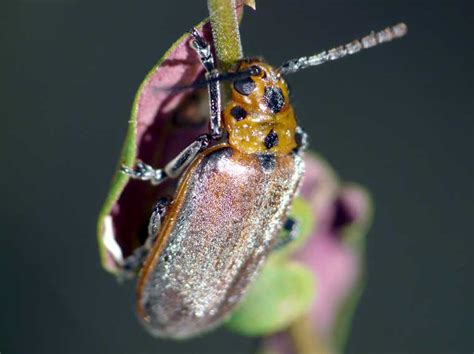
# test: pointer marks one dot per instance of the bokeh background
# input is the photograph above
(397, 119)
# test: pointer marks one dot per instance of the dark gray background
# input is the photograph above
(397, 119)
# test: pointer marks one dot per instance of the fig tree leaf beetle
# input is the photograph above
(236, 185)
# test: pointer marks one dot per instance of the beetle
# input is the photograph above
(206, 245)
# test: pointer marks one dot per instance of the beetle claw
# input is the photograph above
(142, 172)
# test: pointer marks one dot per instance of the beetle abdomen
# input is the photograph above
(226, 216)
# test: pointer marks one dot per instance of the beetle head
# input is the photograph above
(259, 117)
(265, 90)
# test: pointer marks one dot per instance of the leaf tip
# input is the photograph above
(251, 3)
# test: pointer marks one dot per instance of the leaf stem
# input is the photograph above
(305, 339)
(225, 31)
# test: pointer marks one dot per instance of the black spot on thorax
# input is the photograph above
(238, 113)
(274, 99)
(271, 140)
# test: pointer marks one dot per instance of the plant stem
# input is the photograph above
(305, 339)
(225, 31)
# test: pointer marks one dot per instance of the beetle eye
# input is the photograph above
(244, 86)
(255, 70)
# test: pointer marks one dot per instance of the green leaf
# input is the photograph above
(130, 146)
(281, 293)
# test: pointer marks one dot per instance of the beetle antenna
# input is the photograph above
(229, 76)
(371, 40)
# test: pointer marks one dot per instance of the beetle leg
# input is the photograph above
(203, 49)
(133, 263)
(144, 172)
(174, 168)
(301, 139)
(157, 215)
(292, 227)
